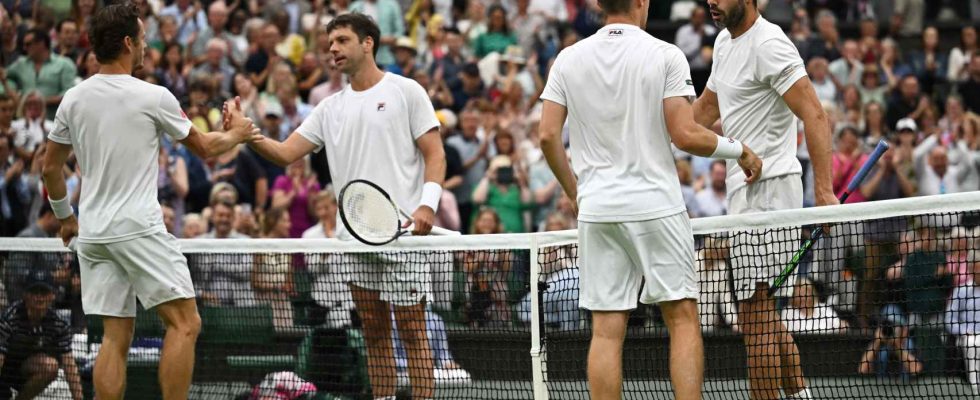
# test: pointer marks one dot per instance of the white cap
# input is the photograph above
(906, 123)
(273, 108)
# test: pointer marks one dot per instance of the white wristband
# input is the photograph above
(431, 194)
(727, 148)
(62, 208)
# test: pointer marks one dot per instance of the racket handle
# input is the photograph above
(818, 232)
(872, 160)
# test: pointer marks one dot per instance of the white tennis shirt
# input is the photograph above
(371, 135)
(750, 74)
(114, 124)
(613, 84)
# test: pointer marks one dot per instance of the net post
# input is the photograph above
(539, 359)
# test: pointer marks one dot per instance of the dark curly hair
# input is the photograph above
(110, 26)
(362, 25)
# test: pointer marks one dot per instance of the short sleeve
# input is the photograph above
(170, 118)
(554, 90)
(282, 184)
(779, 64)
(677, 79)
(312, 127)
(421, 114)
(60, 132)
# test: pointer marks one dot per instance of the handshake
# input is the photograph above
(234, 122)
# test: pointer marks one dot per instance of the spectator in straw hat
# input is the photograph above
(405, 53)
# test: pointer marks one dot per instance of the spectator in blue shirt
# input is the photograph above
(963, 321)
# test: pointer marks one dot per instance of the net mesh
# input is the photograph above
(884, 307)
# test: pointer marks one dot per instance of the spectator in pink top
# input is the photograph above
(295, 191)
(848, 158)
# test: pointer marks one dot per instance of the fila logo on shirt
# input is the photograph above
(615, 32)
(381, 106)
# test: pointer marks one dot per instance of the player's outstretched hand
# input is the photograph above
(751, 164)
(423, 218)
(69, 229)
(231, 111)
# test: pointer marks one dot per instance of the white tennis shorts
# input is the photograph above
(760, 255)
(114, 275)
(402, 278)
(616, 259)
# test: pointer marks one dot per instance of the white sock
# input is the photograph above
(803, 394)
(385, 398)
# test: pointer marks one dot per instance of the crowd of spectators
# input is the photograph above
(905, 71)
(882, 73)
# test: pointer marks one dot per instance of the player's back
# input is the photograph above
(613, 85)
(113, 123)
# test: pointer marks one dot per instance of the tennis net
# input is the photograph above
(879, 309)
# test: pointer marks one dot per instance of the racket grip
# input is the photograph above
(872, 160)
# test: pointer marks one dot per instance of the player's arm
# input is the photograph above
(434, 157)
(238, 129)
(210, 144)
(72, 375)
(553, 117)
(694, 138)
(706, 111)
(802, 100)
(286, 152)
(55, 155)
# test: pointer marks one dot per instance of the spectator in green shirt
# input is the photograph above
(498, 35)
(505, 189)
(40, 69)
(925, 278)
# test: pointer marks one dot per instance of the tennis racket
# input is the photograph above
(818, 233)
(370, 215)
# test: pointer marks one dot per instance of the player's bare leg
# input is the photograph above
(376, 319)
(793, 381)
(40, 370)
(686, 348)
(183, 325)
(605, 367)
(414, 336)
(756, 316)
(110, 364)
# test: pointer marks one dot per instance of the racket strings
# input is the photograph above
(369, 213)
